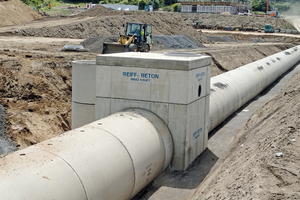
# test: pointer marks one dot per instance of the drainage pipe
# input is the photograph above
(112, 158)
(231, 90)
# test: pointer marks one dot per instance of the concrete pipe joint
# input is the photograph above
(112, 158)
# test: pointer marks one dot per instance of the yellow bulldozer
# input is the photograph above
(138, 37)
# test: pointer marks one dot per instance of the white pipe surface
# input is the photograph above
(231, 90)
(112, 158)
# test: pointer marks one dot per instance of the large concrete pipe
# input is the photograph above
(112, 158)
(231, 90)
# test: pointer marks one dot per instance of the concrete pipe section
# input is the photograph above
(112, 158)
(231, 90)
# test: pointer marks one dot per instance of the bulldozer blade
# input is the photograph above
(114, 48)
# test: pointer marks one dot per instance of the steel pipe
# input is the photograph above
(112, 158)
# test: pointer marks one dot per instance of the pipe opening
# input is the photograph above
(199, 91)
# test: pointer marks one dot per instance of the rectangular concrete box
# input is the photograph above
(174, 86)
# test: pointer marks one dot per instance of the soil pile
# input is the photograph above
(110, 22)
(16, 12)
(265, 163)
(98, 11)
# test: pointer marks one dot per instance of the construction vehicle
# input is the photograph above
(196, 24)
(138, 37)
(269, 28)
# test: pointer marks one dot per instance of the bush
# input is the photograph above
(142, 4)
(176, 7)
(166, 8)
(154, 3)
(282, 7)
(258, 13)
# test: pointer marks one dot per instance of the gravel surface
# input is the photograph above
(221, 38)
(177, 42)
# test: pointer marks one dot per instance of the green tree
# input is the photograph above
(154, 3)
(255, 5)
(33, 3)
(142, 4)
(133, 2)
(260, 5)
(176, 7)
(161, 3)
(170, 2)
(283, 6)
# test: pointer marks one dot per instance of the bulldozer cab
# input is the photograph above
(137, 37)
(142, 32)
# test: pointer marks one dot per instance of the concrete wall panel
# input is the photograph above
(84, 82)
(82, 114)
(102, 107)
(126, 84)
(103, 76)
(178, 91)
(160, 86)
(118, 105)
(197, 84)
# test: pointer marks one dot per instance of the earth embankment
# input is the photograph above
(16, 12)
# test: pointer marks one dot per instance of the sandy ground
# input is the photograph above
(36, 83)
(16, 12)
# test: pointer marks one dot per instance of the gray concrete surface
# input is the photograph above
(183, 185)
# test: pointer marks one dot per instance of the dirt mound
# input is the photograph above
(109, 22)
(16, 12)
(98, 10)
